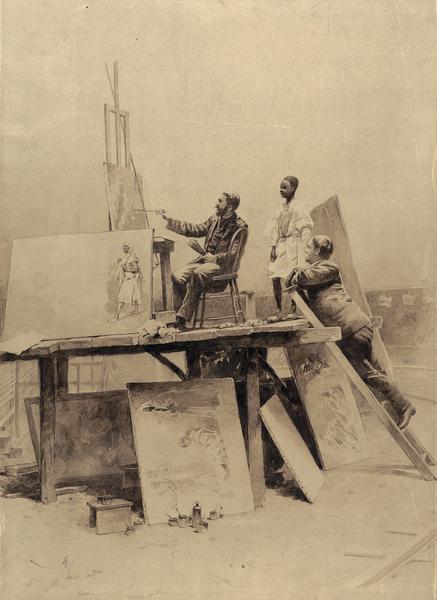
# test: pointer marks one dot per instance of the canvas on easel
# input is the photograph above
(189, 447)
(80, 285)
(123, 192)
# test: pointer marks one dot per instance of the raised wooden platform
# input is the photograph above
(53, 355)
(269, 335)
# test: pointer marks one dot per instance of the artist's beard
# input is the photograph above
(220, 212)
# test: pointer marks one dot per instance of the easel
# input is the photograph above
(405, 438)
(124, 161)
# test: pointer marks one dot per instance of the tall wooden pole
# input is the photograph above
(255, 445)
(117, 115)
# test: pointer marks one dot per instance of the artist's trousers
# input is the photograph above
(358, 349)
(188, 284)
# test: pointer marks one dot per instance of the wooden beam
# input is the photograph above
(107, 114)
(167, 288)
(255, 445)
(257, 339)
(61, 375)
(405, 444)
(17, 398)
(169, 364)
(279, 386)
(193, 363)
(47, 436)
(392, 563)
(117, 115)
(126, 137)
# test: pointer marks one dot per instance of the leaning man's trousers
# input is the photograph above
(188, 284)
(358, 349)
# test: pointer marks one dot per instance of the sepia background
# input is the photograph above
(229, 95)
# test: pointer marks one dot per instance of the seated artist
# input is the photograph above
(190, 281)
(323, 287)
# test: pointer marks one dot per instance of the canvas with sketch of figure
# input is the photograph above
(80, 285)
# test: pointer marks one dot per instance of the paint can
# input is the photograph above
(182, 521)
(173, 521)
(213, 515)
(200, 526)
(196, 514)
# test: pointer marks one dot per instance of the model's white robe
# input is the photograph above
(290, 232)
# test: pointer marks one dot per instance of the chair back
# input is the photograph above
(240, 236)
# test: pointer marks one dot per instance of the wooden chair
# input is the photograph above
(228, 279)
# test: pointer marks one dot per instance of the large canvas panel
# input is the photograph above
(189, 447)
(328, 220)
(93, 434)
(330, 405)
(69, 285)
(293, 449)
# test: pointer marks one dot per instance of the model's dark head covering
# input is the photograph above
(293, 181)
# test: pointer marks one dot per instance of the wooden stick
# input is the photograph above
(17, 398)
(126, 137)
(117, 115)
(169, 364)
(255, 446)
(47, 435)
(392, 563)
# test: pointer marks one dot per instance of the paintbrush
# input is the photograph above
(194, 245)
(290, 289)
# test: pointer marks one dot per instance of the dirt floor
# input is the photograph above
(289, 549)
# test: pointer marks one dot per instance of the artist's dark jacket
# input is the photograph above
(217, 232)
(327, 297)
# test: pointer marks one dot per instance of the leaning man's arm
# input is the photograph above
(306, 277)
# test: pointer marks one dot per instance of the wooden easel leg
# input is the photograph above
(167, 289)
(256, 457)
(47, 373)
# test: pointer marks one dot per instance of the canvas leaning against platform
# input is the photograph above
(189, 447)
(80, 285)
(330, 405)
(93, 435)
(292, 448)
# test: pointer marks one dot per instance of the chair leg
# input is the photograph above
(195, 317)
(202, 308)
(240, 304)
(234, 302)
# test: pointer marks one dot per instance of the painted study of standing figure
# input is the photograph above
(289, 234)
(129, 277)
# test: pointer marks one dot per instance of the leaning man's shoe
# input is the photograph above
(405, 416)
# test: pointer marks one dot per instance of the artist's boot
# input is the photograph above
(405, 416)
